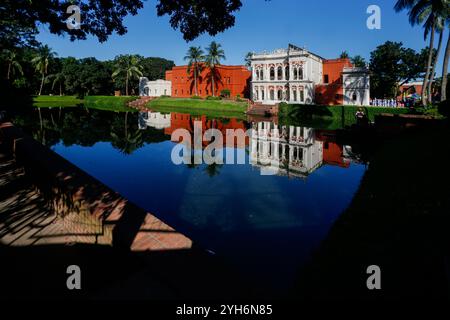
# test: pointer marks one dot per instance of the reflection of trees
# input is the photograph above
(85, 127)
(213, 169)
(127, 141)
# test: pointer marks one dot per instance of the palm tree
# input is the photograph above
(215, 54)
(446, 56)
(130, 66)
(13, 65)
(344, 55)
(41, 62)
(194, 57)
(58, 78)
(440, 26)
(426, 12)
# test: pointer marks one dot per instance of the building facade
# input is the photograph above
(234, 78)
(155, 88)
(295, 75)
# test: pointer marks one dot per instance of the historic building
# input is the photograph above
(179, 83)
(155, 88)
(295, 75)
(234, 78)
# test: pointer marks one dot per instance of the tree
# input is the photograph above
(128, 66)
(41, 62)
(392, 65)
(358, 61)
(445, 70)
(344, 55)
(13, 64)
(426, 12)
(20, 18)
(213, 57)
(248, 59)
(194, 57)
(58, 78)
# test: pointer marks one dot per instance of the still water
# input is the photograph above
(264, 225)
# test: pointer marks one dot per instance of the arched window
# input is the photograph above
(262, 94)
(272, 73)
(300, 73)
(272, 94)
(261, 74)
(256, 94)
(286, 71)
(295, 94)
(295, 74)
(280, 95)
(280, 73)
(257, 74)
(302, 95)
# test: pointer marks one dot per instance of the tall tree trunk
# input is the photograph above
(430, 58)
(195, 79)
(9, 70)
(445, 70)
(126, 85)
(60, 89)
(433, 70)
(212, 81)
(42, 84)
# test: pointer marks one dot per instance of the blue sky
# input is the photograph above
(325, 27)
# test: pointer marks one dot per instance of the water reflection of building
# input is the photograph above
(293, 150)
(296, 151)
(155, 120)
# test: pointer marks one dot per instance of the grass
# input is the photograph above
(330, 117)
(213, 108)
(111, 103)
(56, 101)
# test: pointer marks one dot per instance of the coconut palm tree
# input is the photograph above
(13, 65)
(428, 13)
(41, 62)
(446, 56)
(344, 55)
(58, 78)
(212, 59)
(194, 57)
(130, 66)
(439, 26)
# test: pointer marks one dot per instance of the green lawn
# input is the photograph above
(56, 101)
(213, 108)
(330, 117)
(109, 103)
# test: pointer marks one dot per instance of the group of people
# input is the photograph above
(384, 103)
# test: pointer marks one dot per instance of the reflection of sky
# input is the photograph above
(256, 221)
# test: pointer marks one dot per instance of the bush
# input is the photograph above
(213, 98)
(226, 93)
(165, 96)
(196, 97)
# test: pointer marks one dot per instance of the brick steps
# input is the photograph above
(258, 109)
(140, 103)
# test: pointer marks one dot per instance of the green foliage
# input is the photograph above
(225, 93)
(174, 104)
(213, 98)
(330, 117)
(392, 64)
(358, 61)
(196, 97)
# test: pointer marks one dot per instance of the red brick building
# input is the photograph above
(331, 92)
(235, 78)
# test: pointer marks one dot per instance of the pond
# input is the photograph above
(264, 224)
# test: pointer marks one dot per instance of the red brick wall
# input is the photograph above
(332, 93)
(234, 78)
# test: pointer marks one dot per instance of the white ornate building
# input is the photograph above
(155, 88)
(285, 150)
(293, 75)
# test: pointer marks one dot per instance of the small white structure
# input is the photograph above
(155, 88)
(155, 120)
(356, 85)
